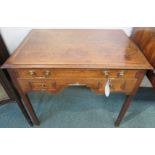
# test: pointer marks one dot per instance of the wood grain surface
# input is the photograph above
(77, 48)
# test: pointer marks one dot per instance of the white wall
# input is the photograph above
(14, 36)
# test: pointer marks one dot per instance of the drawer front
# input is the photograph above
(95, 84)
(74, 73)
(43, 86)
(126, 86)
(119, 85)
(37, 85)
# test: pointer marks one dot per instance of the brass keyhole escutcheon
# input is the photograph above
(47, 73)
(110, 84)
(43, 85)
(31, 72)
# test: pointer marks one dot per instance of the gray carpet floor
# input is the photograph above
(78, 107)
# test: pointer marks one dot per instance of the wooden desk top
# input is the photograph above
(77, 48)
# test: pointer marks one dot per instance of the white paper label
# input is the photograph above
(107, 89)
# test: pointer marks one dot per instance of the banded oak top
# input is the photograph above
(77, 48)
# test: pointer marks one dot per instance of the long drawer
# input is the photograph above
(74, 73)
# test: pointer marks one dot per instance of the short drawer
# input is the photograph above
(37, 85)
(119, 85)
(42, 86)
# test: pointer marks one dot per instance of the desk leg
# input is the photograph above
(124, 109)
(21, 106)
(30, 109)
(24, 112)
(25, 98)
(13, 95)
(129, 98)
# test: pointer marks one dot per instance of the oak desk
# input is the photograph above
(50, 60)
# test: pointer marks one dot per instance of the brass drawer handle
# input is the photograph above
(47, 73)
(43, 85)
(31, 73)
(121, 73)
(106, 73)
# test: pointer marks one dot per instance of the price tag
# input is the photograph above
(107, 88)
